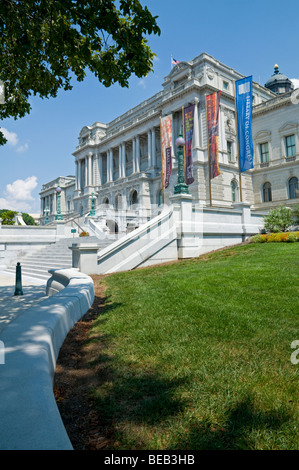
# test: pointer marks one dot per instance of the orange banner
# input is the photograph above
(212, 106)
(166, 149)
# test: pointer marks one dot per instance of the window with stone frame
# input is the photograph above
(264, 152)
(290, 145)
(293, 188)
(234, 189)
(267, 192)
(229, 146)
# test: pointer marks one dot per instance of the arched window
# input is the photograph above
(106, 201)
(267, 192)
(293, 188)
(133, 198)
(234, 188)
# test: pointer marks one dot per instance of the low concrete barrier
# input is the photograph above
(29, 416)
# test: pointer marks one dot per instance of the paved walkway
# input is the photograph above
(11, 306)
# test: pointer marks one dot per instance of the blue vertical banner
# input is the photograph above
(243, 90)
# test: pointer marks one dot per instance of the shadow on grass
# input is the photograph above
(240, 432)
(105, 400)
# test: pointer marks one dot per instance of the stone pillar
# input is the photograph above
(86, 171)
(111, 165)
(79, 175)
(189, 230)
(149, 147)
(154, 156)
(120, 168)
(108, 166)
(90, 182)
(134, 155)
(76, 179)
(137, 154)
(100, 168)
(123, 159)
(84, 257)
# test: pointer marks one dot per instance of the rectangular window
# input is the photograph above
(264, 152)
(290, 146)
(225, 85)
(229, 146)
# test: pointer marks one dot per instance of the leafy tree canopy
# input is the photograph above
(44, 42)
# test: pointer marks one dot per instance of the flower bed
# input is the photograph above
(275, 237)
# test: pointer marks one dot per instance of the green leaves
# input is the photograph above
(43, 42)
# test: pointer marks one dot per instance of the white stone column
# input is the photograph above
(79, 175)
(134, 155)
(137, 154)
(100, 168)
(90, 182)
(149, 147)
(76, 179)
(123, 152)
(108, 166)
(120, 175)
(54, 203)
(111, 165)
(86, 171)
(154, 155)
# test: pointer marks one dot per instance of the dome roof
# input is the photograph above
(278, 82)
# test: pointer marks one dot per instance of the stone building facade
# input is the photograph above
(120, 162)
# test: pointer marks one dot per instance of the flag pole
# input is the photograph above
(238, 146)
(209, 163)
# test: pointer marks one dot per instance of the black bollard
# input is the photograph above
(18, 289)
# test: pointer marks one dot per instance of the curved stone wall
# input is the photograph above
(29, 416)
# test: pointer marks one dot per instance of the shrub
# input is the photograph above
(7, 217)
(256, 238)
(278, 220)
(292, 237)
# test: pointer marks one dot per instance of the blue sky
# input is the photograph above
(247, 36)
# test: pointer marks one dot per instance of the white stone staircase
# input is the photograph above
(55, 256)
(37, 263)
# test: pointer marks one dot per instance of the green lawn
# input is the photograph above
(196, 354)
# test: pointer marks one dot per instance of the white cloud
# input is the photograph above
(295, 82)
(13, 140)
(142, 83)
(17, 195)
(22, 148)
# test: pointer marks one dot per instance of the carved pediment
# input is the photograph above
(85, 131)
(179, 68)
(288, 127)
(263, 135)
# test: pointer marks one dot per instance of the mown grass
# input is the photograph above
(196, 355)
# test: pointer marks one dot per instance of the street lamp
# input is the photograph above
(92, 197)
(181, 187)
(58, 212)
(47, 210)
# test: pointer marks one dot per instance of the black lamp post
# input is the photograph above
(181, 187)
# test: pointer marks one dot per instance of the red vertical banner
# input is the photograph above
(166, 149)
(188, 135)
(212, 107)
